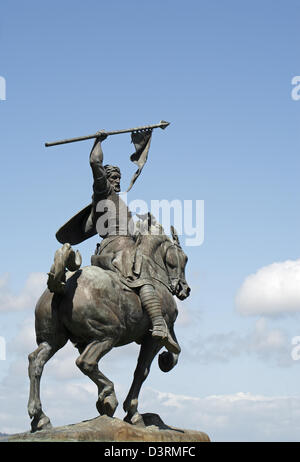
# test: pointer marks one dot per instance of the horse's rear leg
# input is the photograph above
(37, 360)
(149, 349)
(88, 364)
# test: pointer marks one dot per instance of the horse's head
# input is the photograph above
(175, 261)
(165, 252)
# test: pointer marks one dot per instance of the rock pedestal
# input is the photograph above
(106, 429)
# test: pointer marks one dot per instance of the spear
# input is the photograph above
(162, 124)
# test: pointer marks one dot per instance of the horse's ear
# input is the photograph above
(151, 218)
(175, 236)
(147, 218)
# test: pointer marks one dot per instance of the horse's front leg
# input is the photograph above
(149, 349)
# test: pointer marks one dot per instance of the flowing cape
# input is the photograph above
(79, 228)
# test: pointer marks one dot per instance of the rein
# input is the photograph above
(172, 281)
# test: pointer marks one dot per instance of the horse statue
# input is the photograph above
(96, 311)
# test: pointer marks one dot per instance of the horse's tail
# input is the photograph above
(64, 259)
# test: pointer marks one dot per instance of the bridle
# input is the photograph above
(173, 280)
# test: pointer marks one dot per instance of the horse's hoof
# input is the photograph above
(167, 361)
(136, 420)
(40, 423)
(110, 405)
(107, 406)
(130, 406)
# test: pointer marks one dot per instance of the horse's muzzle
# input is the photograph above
(182, 290)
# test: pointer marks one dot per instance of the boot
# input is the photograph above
(160, 331)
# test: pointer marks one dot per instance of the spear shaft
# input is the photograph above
(163, 124)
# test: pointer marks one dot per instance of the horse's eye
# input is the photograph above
(171, 258)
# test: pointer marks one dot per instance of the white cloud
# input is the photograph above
(267, 340)
(239, 416)
(216, 347)
(26, 298)
(272, 290)
(263, 341)
(270, 344)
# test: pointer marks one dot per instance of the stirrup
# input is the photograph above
(162, 333)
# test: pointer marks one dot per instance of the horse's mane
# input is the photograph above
(147, 225)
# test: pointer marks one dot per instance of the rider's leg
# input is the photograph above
(151, 304)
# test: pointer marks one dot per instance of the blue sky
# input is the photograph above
(221, 73)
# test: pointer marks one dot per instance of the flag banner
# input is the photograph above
(141, 141)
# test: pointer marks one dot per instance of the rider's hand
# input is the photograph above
(101, 136)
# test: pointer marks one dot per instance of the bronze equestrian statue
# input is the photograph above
(126, 295)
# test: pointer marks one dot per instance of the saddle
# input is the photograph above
(144, 268)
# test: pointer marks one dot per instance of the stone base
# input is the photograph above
(149, 428)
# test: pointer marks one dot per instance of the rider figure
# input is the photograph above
(118, 246)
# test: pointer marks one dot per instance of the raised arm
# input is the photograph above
(96, 162)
